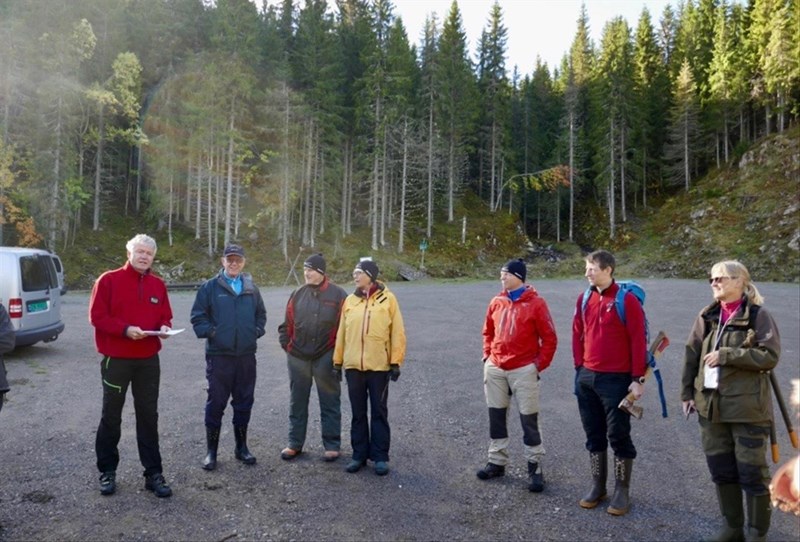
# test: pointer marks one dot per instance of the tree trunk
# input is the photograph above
(210, 203)
(345, 187)
(171, 200)
(404, 180)
(283, 221)
(622, 190)
(611, 196)
(98, 169)
(384, 187)
(686, 165)
(451, 176)
(229, 178)
(571, 170)
(54, 210)
(429, 228)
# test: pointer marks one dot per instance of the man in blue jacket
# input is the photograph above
(229, 313)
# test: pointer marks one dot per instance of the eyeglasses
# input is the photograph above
(234, 261)
(715, 280)
(357, 274)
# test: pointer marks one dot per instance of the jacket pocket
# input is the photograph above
(378, 323)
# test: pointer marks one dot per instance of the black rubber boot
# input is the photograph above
(599, 466)
(759, 514)
(732, 510)
(535, 477)
(620, 501)
(491, 471)
(212, 443)
(242, 453)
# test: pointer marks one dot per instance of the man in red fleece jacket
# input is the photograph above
(127, 305)
(519, 342)
(610, 360)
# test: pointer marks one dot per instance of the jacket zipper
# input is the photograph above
(364, 330)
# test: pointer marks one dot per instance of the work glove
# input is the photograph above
(394, 371)
(337, 372)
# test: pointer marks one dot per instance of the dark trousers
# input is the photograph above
(369, 437)
(599, 395)
(231, 377)
(144, 376)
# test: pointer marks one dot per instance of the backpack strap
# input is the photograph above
(585, 299)
(619, 302)
(751, 322)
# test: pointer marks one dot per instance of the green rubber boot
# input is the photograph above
(732, 510)
(759, 513)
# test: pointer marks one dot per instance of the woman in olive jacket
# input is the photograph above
(733, 345)
(371, 345)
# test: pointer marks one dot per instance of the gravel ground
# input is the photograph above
(48, 480)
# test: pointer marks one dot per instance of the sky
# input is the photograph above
(535, 27)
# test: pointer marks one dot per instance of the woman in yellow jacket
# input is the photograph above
(370, 345)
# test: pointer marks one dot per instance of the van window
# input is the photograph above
(38, 273)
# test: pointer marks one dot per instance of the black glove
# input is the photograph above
(394, 372)
(337, 372)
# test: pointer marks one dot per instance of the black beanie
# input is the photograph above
(369, 267)
(516, 268)
(315, 262)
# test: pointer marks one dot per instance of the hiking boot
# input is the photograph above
(212, 443)
(620, 502)
(157, 484)
(381, 468)
(599, 467)
(535, 478)
(491, 471)
(242, 453)
(355, 465)
(108, 483)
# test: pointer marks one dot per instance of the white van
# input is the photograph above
(31, 293)
(60, 273)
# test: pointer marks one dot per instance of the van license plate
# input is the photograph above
(37, 306)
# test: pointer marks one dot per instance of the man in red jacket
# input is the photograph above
(519, 342)
(610, 361)
(131, 313)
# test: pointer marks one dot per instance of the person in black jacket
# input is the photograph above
(308, 335)
(229, 313)
(6, 346)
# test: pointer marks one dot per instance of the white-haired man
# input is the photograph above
(127, 306)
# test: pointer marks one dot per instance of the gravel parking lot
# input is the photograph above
(48, 479)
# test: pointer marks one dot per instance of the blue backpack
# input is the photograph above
(626, 286)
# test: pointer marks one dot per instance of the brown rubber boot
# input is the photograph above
(620, 502)
(599, 465)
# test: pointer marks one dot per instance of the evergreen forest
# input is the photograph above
(303, 119)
